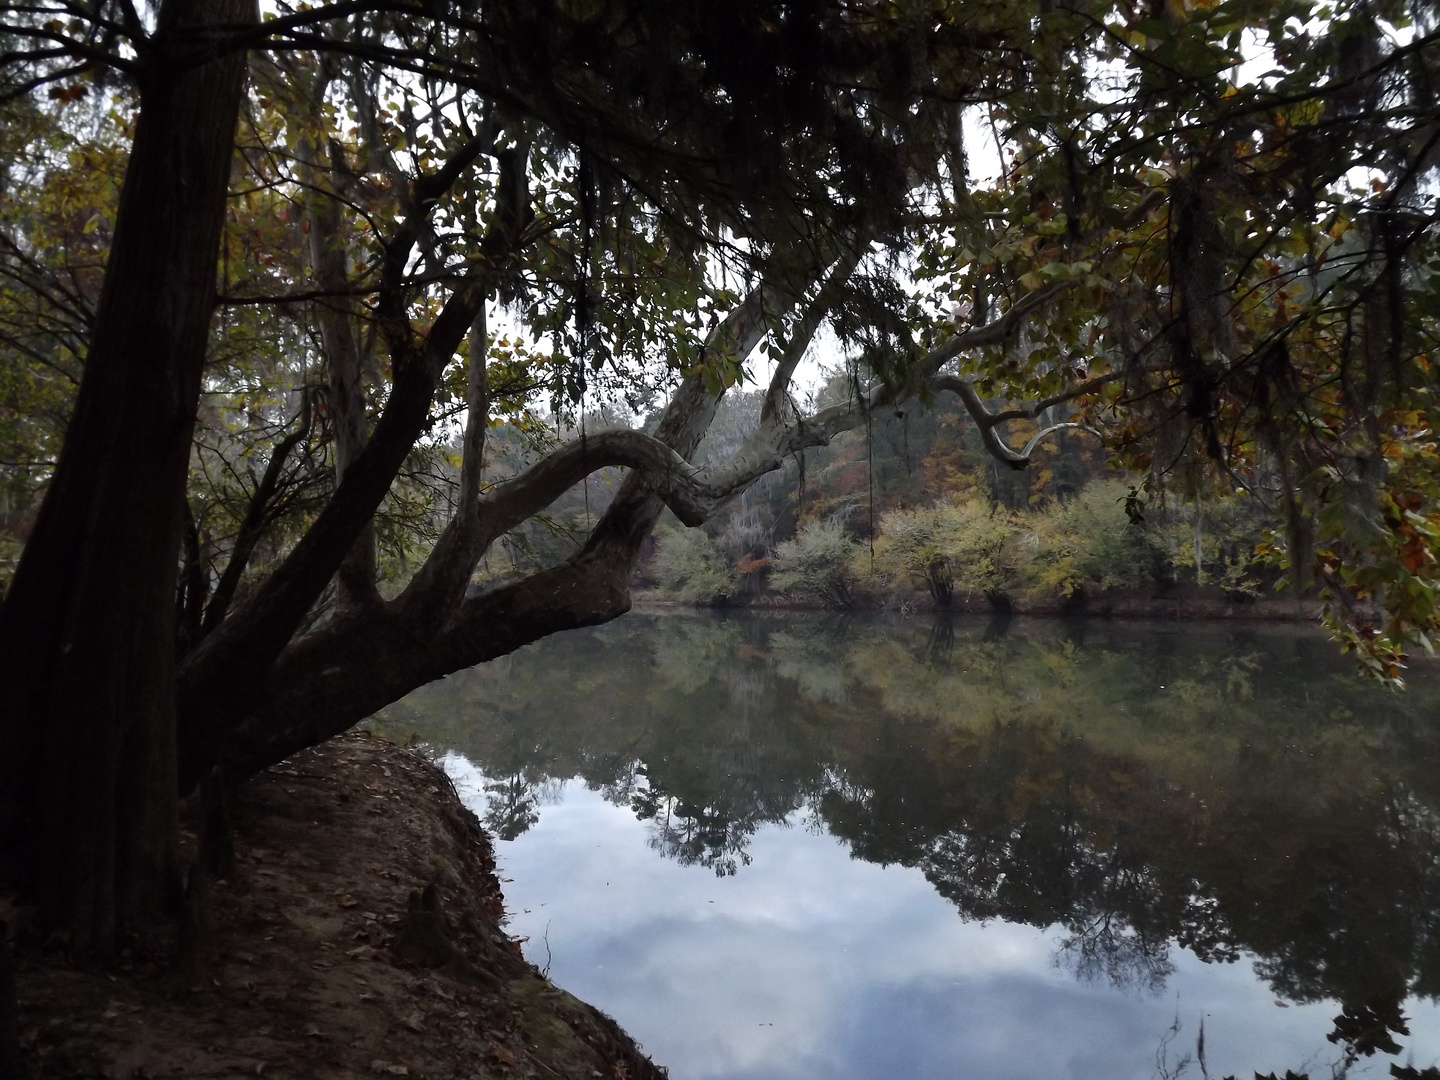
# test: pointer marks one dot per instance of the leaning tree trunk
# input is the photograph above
(87, 746)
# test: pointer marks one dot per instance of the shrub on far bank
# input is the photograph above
(1219, 534)
(948, 546)
(822, 562)
(691, 567)
(962, 549)
(1090, 541)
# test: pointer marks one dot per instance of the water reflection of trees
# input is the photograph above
(1134, 788)
(1106, 948)
(512, 805)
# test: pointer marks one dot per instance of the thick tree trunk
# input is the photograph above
(330, 680)
(87, 747)
(12, 1067)
(324, 683)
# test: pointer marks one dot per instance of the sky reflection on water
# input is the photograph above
(810, 962)
(863, 971)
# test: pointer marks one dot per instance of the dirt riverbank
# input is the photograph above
(326, 956)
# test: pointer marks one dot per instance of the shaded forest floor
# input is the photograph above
(321, 957)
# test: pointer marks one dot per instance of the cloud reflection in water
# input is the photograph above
(830, 849)
(810, 964)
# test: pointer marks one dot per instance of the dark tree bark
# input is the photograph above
(12, 1067)
(87, 759)
(331, 679)
(223, 678)
(194, 587)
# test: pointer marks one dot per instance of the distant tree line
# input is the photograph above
(912, 508)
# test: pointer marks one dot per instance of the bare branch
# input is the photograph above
(1052, 429)
(1029, 412)
(774, 440)
(988, 422)
(256, 516)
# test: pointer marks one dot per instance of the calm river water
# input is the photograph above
(803, 847)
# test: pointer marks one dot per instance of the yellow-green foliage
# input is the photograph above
(1090, 540)
(689, 566)
(973, 547)
(823, 562)
(948, 546)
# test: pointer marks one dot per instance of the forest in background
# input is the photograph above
(910, 510)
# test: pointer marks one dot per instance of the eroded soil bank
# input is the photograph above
(325, 956)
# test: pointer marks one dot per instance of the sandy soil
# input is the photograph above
(322, 957)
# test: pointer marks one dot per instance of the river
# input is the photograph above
(794, 846)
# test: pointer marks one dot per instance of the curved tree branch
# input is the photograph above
(314, 688)
(440, 583)
(989, 422)
(819, 309)
(228, 668)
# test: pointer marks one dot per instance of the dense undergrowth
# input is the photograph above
(960, 550)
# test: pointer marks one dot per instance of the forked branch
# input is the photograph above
(989, 422)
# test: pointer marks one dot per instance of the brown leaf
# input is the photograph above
(415, 1021)
(503, 1054)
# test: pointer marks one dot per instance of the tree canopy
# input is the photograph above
(1201, 232)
